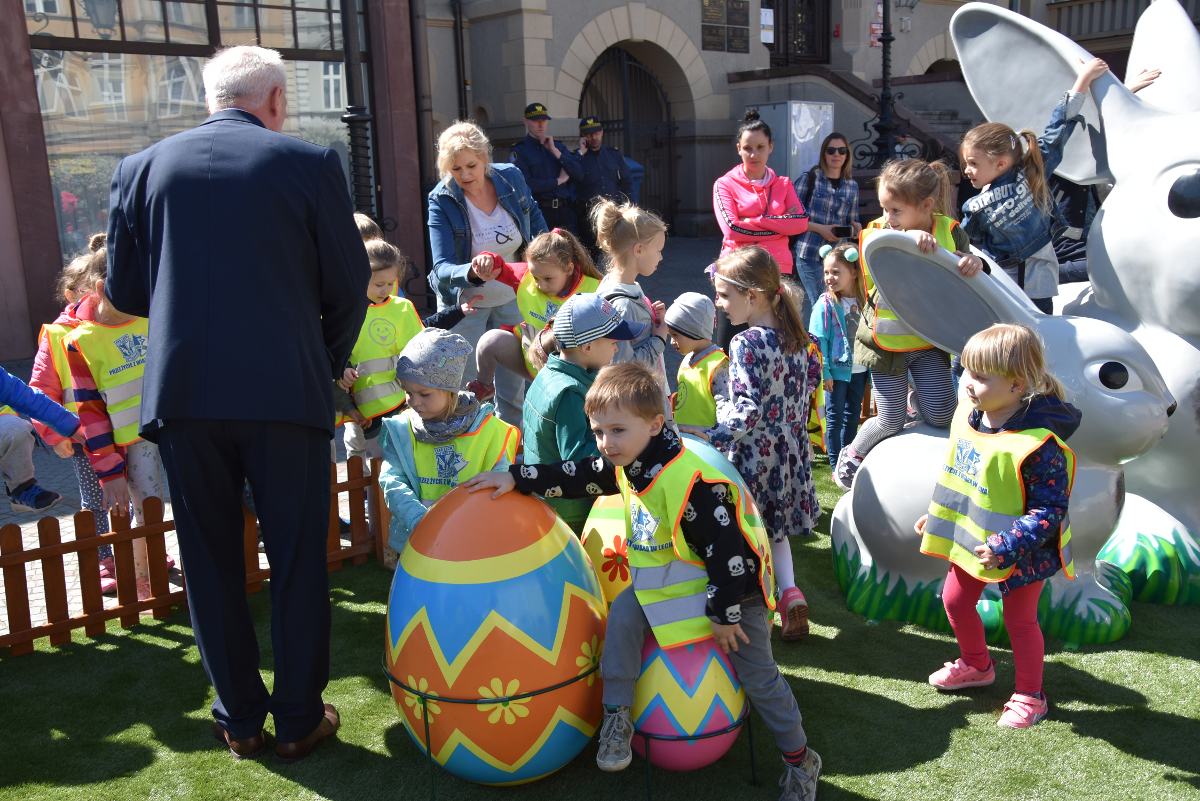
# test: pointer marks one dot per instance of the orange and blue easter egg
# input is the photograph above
(492, 599)
(683, 691)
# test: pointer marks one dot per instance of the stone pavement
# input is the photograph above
(681, 271)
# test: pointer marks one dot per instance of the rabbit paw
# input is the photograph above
(1158, 554)
(1090, 609)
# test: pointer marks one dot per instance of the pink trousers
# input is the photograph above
(960, 594)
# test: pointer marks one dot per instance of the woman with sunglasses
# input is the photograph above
(830, 196)
(754, 206)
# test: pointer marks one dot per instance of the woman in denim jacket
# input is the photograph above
(479, 206)
(1014, 220)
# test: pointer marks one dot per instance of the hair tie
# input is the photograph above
(851, 254)
(556, 231)
(780, 290)
(824, 250)
(541, 352)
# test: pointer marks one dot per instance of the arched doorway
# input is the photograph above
(632, 105)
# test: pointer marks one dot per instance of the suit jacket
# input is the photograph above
(239, 244)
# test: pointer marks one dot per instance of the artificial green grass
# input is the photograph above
(126, 716)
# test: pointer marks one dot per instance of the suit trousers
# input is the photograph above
(287, 465)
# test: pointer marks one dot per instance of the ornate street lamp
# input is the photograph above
(356, 116)
(103, 14)
(886, 126)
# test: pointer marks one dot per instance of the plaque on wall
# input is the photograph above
(737, 12)
(712, 12)
(712, 37)
(738, 40)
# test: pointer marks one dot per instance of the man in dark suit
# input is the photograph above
(238, 242)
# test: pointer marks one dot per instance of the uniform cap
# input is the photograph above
(536, 111)
(590, 124)
(587, 317)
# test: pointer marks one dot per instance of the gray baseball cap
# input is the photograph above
(587, 317)
(434, 358)
(692, 315)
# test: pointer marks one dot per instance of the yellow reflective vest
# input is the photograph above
(54, 333)
(694, 402)
(6, 410)
(116, 358)
(980, 492)
(441, 468)
(889, 333)
(669, 579)
(387, 329)
(537, 308)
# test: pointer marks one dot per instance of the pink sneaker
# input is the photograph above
(108, 586)
(107, 568)
(794, 611)
(958, 675)
(482, 391)
(1022, 711)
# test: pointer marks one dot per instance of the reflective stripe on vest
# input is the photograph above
(694, 402)
(979, 493)
(888, 331)
(537, 308)
(441, 468)
(116, 357)
(387, 328)
(54, 333)
(668, 577)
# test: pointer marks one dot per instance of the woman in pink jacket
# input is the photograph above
(754, 206)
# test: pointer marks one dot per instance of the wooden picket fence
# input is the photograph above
(364, 540)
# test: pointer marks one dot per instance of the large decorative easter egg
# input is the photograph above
(687, 690)
(494, 599)
(604, 538)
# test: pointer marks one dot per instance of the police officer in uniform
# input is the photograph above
(547, 166)
(605, 174)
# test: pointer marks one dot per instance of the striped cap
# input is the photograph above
(586, 317)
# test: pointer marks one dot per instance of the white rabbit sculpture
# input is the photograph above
(1108, 375)
(1141, 250)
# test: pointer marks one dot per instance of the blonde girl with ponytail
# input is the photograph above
(632, 241)
(774, 369)
(1013, 219)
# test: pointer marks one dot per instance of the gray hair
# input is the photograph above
(242, 76)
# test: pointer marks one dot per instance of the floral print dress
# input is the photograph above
(762, 428)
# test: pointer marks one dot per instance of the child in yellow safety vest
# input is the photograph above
(368, 389)
(700, 561)
(915, 197)
(703, 375)
(556, 268)
(106, 358)
(999, 510)
(443, 438)
(774, 369)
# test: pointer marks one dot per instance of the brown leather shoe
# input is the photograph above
(287, 753)
(251, 748)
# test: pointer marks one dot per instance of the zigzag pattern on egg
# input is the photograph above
(689, 708)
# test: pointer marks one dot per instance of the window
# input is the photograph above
(331, 83)
(41, 6)
(179, 86)
(58, 90)
(800, 31)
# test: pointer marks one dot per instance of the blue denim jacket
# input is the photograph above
(1005, 221)
(450, 227)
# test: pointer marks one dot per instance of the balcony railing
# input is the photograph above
(1095, 19)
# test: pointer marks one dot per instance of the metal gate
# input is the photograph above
(632, 105)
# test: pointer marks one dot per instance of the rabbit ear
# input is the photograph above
(933, 299)
(1166, 39)
(1023, 92)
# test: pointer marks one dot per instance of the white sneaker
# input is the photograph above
(799, 783)
(616, 735)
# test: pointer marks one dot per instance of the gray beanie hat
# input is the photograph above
(434, 358)
(692, 315)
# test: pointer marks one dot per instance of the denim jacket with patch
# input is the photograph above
(1004, 220)
(450, 227)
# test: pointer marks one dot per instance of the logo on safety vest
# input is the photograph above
(967, 463)
(644, 525)
(551, 310)
(381, 332)
(449, 464)
(680, 399)
(132, 348)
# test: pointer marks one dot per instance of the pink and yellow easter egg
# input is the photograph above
(604, 538)
(687, 690)
(492, 599)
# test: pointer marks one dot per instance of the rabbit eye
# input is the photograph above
(1113, 376)
(1184, 198)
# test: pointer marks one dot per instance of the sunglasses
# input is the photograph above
(836, 151)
